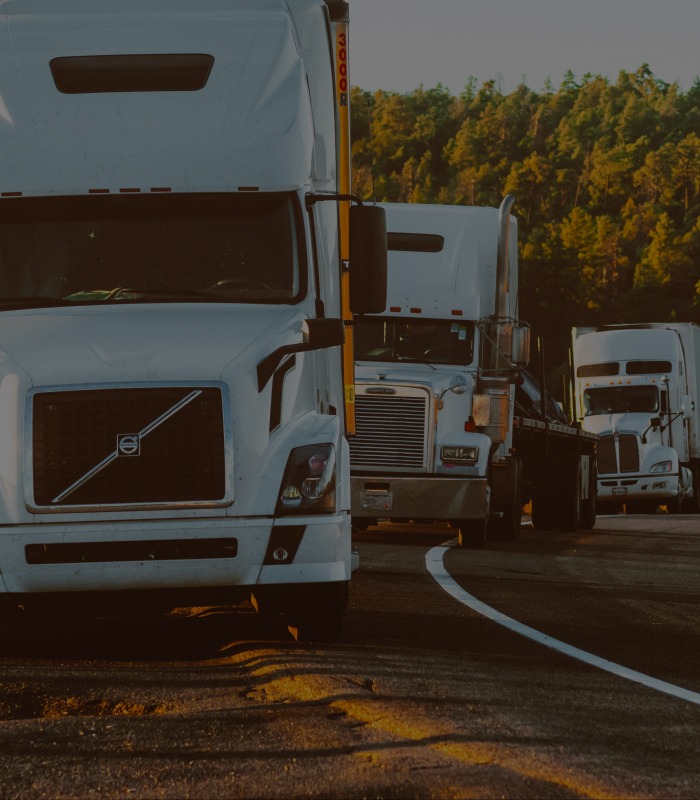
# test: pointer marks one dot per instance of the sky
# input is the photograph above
(399, 45)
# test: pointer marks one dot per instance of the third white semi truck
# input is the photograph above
(450, 426)
(638, 387)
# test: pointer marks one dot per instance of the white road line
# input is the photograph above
(435, 565)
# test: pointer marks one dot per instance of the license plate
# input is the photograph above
(620, 490)
(376, 501)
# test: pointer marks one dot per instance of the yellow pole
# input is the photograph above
(342, 76)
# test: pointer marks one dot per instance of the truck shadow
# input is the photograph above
(186, 634)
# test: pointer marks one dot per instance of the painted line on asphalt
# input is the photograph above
(436, 567)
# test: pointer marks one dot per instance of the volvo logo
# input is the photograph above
(128, 444)
(380, 390)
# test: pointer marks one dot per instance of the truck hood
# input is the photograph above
(436, 378)
(107, 344)
(605, 424)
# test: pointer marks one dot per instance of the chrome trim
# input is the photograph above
(196, 386)
(385, 447)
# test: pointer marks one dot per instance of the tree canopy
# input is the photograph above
(606, 177)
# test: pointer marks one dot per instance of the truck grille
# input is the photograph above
(608, 457)
(390, 432)
(178, 457)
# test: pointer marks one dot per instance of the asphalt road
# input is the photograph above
(558, 666)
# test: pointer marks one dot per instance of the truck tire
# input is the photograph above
(318, 617)
(568, 494)
(674, 505)
(641, 507)
(542, 511)
(472, 533)
(507, 527)
(556, 504)
(313, 612)
(691, 505)
(589, 507)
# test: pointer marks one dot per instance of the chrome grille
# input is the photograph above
(390, 432)
(608, 455)
(182, 459)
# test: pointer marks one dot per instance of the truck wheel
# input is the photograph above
(673, 506)
(691, 505)
(319, 616)
(542, 512)
(569, 498)
(506, 528)
(589, 513)
(589, 507)
(472, 533)
(641, 507)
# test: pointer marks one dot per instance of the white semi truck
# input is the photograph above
(174, 240)
(450, 426)
(638, 388)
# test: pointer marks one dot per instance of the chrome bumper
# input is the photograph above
(434, 498)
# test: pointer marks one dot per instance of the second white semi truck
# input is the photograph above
(450, 426)
(637, 387)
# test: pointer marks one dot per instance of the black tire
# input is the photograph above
(589, 507)
(542, 512)
(641, 507)
(674, 505)
(691, 505)
(317, 614)
(472, 533)
(568, 494)
(507, 527)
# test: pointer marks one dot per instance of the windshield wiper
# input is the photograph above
(123, 294)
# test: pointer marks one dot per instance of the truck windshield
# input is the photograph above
(150, 247)
(621, 400)
(424, 341)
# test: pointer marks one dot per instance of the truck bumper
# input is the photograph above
(643, 487)
(419, 497)
(197, 555)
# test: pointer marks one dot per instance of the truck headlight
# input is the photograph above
(459, 454)
(308, 486)
(662, 466)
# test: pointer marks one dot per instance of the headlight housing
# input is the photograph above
(459, 454)
(308, 485)
(662, 466)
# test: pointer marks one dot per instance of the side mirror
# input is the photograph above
(317, 334)
(654, 422)
(368, 259)
(687, 406)
(520, 345)
(321, 333)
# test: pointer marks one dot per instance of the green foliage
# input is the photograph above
(606, 178)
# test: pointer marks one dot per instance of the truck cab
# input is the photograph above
(423, 449)
(632, 391)
(172, 240)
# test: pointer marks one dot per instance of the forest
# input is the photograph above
(606, 177)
